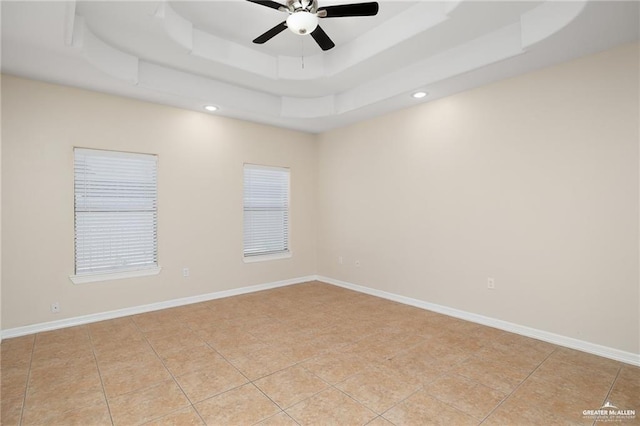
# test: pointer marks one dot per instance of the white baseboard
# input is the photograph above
(86, 319)
(569, 342)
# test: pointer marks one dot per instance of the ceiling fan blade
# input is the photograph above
(322, 38)
(269, 3)
(271, 33)
(343, 10)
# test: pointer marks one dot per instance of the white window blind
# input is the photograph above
(115, 211)
(266, 210)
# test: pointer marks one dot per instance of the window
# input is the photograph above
(266, 212)
(115, 215)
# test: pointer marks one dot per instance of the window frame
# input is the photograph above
(267, 256)
(107, 275)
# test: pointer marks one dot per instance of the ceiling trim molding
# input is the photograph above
(108, 59)
(509, 41)
(177, 28)
(491, 48)
(207, 91)
(69, 18)
(547, 19)
(411, 22)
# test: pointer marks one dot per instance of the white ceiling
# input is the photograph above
(191, 54)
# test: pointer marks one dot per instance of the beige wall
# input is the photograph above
(532, 181)
(200, 198)
(0, 216)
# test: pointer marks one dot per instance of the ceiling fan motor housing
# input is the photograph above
(304, 14)
(302, 5)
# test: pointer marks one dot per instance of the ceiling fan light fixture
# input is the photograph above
(302, 22)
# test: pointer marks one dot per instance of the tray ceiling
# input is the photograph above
(191, 54)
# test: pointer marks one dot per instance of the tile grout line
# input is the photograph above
(236, 387)
(231, 364)
(446, 402)
(334, 386)
(26, 387)
(170, 373)
(422, 388)
(298, 363)
(606, 398)
(283, 410)
(249, 381)
(95, 359)
(517, 387)
(471, 379)
(379, 417)
(448, 371)
(227, 360)
(400, 402)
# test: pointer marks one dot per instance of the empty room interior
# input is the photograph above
(320, 212)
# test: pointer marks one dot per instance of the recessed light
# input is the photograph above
(211, 108)
(419, 95)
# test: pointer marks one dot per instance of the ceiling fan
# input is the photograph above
(304, 14)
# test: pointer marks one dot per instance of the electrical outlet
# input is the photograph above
(357, 263)
(55, 307)
(491, 284)
(185, 272)
(340, 260)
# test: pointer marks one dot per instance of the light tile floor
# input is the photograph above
(308, 354)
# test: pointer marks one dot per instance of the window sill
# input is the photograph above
(95, 277)
(266, 257)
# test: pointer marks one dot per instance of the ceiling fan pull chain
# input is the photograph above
(302, 51)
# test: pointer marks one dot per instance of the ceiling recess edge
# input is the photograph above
(533, 26)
